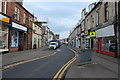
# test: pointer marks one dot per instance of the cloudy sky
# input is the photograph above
(61, 16)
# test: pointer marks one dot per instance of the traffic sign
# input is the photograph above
(93, 34)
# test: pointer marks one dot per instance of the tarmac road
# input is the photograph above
(42, 68)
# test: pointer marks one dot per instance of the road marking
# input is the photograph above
(60, 73)
(12, 65)
(58, 50)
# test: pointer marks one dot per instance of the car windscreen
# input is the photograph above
(52, 43)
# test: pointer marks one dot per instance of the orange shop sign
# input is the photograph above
(4, 18)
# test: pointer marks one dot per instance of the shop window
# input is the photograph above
(35, 41)
(109, 44)
(3, 37)
(88, 43)
(14, 38)
(95, 43)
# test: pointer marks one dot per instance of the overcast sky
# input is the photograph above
(61, 16)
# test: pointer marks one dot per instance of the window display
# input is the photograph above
(95, 43)
(35, 41)
(109, 44)
(88, 43)
(3, 37)
(14, 38)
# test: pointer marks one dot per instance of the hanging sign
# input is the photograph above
(92, 34)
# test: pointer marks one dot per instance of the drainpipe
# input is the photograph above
(118, 29)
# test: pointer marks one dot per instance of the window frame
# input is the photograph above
(5, 6)
(24, 18)
(106, 12)
(18, 14)
(97, 18)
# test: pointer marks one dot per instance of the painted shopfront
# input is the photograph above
(4, 32)
(105, 41)
(18, 37)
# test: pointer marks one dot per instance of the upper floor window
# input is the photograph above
(91, 21)
(30, 21)
(4, 6)
(24, 19)
(106, 12)
(17, 14)
(97, 18)
(0, 5)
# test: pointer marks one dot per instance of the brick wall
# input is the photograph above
(10, 12)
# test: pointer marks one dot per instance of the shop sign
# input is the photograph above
(4, 18)
(92, 34)
(14, 25)
(106, 32)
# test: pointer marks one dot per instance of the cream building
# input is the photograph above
(37, 35)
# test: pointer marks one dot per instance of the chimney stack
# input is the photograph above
(20, 2)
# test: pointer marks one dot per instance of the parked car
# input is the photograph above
(52, 45)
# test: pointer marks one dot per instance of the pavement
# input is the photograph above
(100, 66)
(18, 56)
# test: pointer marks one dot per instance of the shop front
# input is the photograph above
(105, 41)
(88, 42)
(4, 33)
(78, 41)
(18, 37)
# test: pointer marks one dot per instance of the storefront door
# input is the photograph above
(25, 41)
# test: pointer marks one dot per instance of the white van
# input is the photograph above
(52, 45)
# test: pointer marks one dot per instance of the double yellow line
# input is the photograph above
(60, 73)
(12, 65)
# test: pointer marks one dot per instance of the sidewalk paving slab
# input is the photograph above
(102, 66)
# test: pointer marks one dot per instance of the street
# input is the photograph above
(59, 40)
(42, 68)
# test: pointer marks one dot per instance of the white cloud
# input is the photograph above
(62, 16)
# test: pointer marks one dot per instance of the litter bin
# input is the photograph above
(85, 56)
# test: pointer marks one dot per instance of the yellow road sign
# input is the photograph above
(92, 34)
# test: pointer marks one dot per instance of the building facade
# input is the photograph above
(20, 32)
(37, 35)
(103, 22)
(5, 24)
(99, 28)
